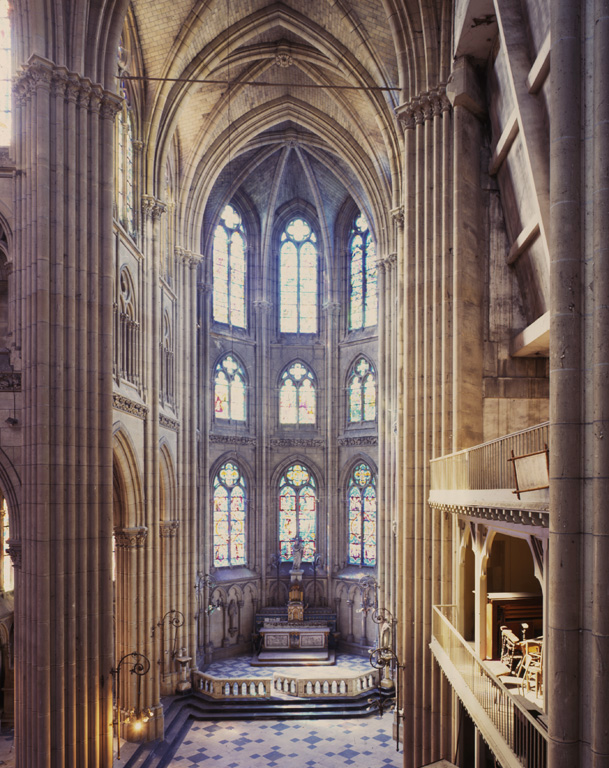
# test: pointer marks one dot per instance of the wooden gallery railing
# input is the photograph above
(516, 727)
(487, 465)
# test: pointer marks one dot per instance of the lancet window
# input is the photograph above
(128, 331)
(229, 390)
(297, 512)
(167, 361)
(297, 395)
(5, 75)
(230, 505)
(298, 265)
(362, 392)
(363, 299)
(361, 501)
(229, 269)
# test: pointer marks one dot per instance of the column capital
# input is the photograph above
(152, 207)
(13, 550)
(397, 214)
(263, 306)
(423, 107)
(130, 538)
(168, 528)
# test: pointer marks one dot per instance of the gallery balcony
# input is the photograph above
(511, 726)
(504, 479)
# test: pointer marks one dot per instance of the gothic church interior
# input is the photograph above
(313, 287)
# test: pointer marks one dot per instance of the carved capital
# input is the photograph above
(263, 306)
(165, 421)
(332, 308)
(110, 105)
(405, 116)
(152, 207)
(130, 538)
(10, 381)
(122, 403)
(397, 214)
(168, 528)
(13, 550)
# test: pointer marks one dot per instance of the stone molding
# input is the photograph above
(13, 550)
(332, 308)
(424, 107)
(169, 423)
(284, 60)
(10, 381)
(263, 306)
(297, 442)
(533, 517)
(122, 403)
(130, 538)
(168, 528)
(397, 214)
(361, 440)
(233, 440)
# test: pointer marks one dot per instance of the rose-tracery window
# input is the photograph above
(297, 512)
(363, 299)
(229, 269)
(229, 390)
(362, 392)
(230, 504)
(297, 395)
(298, 278)
(361, 503)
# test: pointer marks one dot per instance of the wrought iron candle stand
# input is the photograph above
(140, 665)
(175, 619)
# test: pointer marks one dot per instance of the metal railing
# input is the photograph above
(522, 733)
(486, 466)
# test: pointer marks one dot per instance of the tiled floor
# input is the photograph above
(359, 742)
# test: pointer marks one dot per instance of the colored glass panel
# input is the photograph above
(362, 392)
(229, 510)
(298, 266)
(229, 390)
(229, 269)
(363, 301)
(361, 497)
(297, 512)
(297, 396)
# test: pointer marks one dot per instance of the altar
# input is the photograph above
(292, 643)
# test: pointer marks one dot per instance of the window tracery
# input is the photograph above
(297, 395)
(298, 266)
(229, 269)
(229, 510)
(167, 361)
(363, 300)
(297, 512)
(362, 392)
(229, 390)
(361, 502)
(128, 328)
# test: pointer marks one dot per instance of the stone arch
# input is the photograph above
(168, 502)
(126, 480)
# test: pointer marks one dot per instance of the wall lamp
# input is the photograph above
(136, 716)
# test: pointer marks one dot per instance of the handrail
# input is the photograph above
(486, 466)
(522, 733)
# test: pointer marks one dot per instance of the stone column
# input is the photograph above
(330, 435)
(63, 633)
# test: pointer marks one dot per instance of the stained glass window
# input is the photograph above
(5, 75)
(298, 278)
(229, 390)
(230, 502)
(297, 512)
(362, 276)
(229, 268)
(297, 395)
(361, 501)
(362, 392)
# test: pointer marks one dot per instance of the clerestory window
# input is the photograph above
(229, 390)
(362, 392)
(297, 395)
(363, 299)
(229, 269)
(298, 266)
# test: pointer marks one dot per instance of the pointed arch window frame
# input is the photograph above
(240, 371)
(364, 278)
(229, 499)
(298, 498)
(292, 290)
(303, 399)
(361, 501)
(236, 272)
(363, 399)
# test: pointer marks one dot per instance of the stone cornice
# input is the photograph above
(233, 440)
(297, 442)
(130, 538)
(360, 440)
(166, 421)
(521, 516)
(423, 107)
(122, 403)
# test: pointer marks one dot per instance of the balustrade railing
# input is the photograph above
(523, 734)
(486, 466)
(225, 688)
